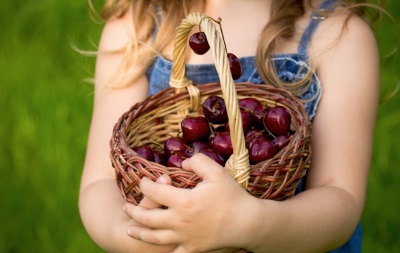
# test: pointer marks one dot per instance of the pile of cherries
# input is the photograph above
(266, 130)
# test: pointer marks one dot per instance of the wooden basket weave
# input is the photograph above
(159, 116)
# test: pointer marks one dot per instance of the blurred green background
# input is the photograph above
(45, 119)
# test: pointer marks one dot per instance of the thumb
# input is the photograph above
(150, 204)
(203, 166)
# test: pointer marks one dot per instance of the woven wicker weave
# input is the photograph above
(159, 116)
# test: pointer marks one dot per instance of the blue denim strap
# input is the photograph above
(316, 18)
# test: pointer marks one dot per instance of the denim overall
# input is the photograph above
(289, 67)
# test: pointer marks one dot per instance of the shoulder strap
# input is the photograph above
(316, 18)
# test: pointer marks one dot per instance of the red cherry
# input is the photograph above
(277, 120)
(214, 155)
(255, 107)
(258, 115)
(222, 144)
(281, 141)
(176, 160)
(196, 147)
(214, 110)
(173, 145)
(261, 150)
(198, 42)
(249, 104)
(145, 152)
(235, 66)
(252, 135)
(246, 121)
(159, 157)
(195, 128)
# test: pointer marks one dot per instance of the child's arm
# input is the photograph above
(100, 202)
(319, 219)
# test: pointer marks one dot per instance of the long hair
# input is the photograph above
(284, 15)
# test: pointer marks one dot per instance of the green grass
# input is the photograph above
(45, 116)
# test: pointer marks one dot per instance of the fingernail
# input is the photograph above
(184, 161)
(129, 231)
(162, 179)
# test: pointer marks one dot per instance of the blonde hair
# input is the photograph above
(284, 14)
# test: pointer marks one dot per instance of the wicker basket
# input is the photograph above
(159, 116)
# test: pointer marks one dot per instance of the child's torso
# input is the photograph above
(290, 67)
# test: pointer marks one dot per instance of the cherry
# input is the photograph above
(235, 66)
(196, 147)
(258, 116)
(175, 160)
(195, 128)
(281, 141)
(249, 104)
(146, 152)
(214, 155)
(173, 145)
(214, 110)
(222, 144)
(277, 120)
(252, 135)
(159, 157)
(246, 121)
(261, 149)
(198, 43)
(255, 107)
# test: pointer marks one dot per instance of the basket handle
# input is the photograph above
(238, 164)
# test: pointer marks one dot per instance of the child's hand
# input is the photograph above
(148, 203)
(216, 214)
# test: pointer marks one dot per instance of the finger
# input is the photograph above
(158, 237)
(151, 218)
(150, 204)
(180, 249)
(166, 195)
(203, 166)
(228, 250)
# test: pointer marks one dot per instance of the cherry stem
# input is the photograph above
(211, 129)
(218, 21)
(156, 143)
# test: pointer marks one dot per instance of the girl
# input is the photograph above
(274, 40)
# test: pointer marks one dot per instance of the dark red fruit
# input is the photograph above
(196, 147)
(277, 120)
(145, 152)
(222, 144)
(281, 141)
(252, 135)
(258, 116)
(214, 110)
(246, 121)
(175, 160)
(173, 145)
(159, 157)
(255, 107)
(261, 150)
(235, 66)
(214, 155)
(198, 43)
(195, 128)
(249, 104)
